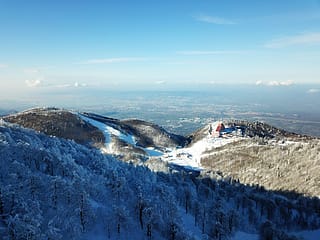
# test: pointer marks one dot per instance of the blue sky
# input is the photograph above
(129, 44)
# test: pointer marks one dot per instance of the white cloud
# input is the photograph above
(113, 60)
(68, 85)
(34, 83)
(258, 83)
(280, 83)
(76, 84)
(301, 39)
(275, 83)
(218, 52)
(214, 20)
(314, 90)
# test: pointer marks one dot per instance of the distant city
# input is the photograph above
(292, 108)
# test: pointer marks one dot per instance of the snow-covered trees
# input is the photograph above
(56, 189)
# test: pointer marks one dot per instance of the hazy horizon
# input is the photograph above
(75, 97)
(292, 108)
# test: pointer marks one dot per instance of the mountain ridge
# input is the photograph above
(251, 129)
(253, 150)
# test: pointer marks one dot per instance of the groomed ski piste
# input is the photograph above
(110, 132)
(188, 157)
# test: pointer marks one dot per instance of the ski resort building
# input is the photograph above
(220, 130)
(220, 127)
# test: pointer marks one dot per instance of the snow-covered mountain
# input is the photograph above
(257, 153)
(85, 176)
(59, 123)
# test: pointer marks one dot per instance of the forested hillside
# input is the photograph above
(53, 188)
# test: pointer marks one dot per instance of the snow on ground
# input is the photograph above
(101, 126)
(245, 236)
(110, 132)
(2, 122)
(191, 156)
(125, 137)
(188, 157)
(152, 152)
(209, 143)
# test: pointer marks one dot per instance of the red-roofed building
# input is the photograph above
(220, 127)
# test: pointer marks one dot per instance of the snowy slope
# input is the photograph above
(110, 133)
(188, 157)
(191, 156)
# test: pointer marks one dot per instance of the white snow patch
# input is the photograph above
(101, 126)
(152, 152)
(191, 156)
(109, 132)
(125, 137)
(2, 122)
